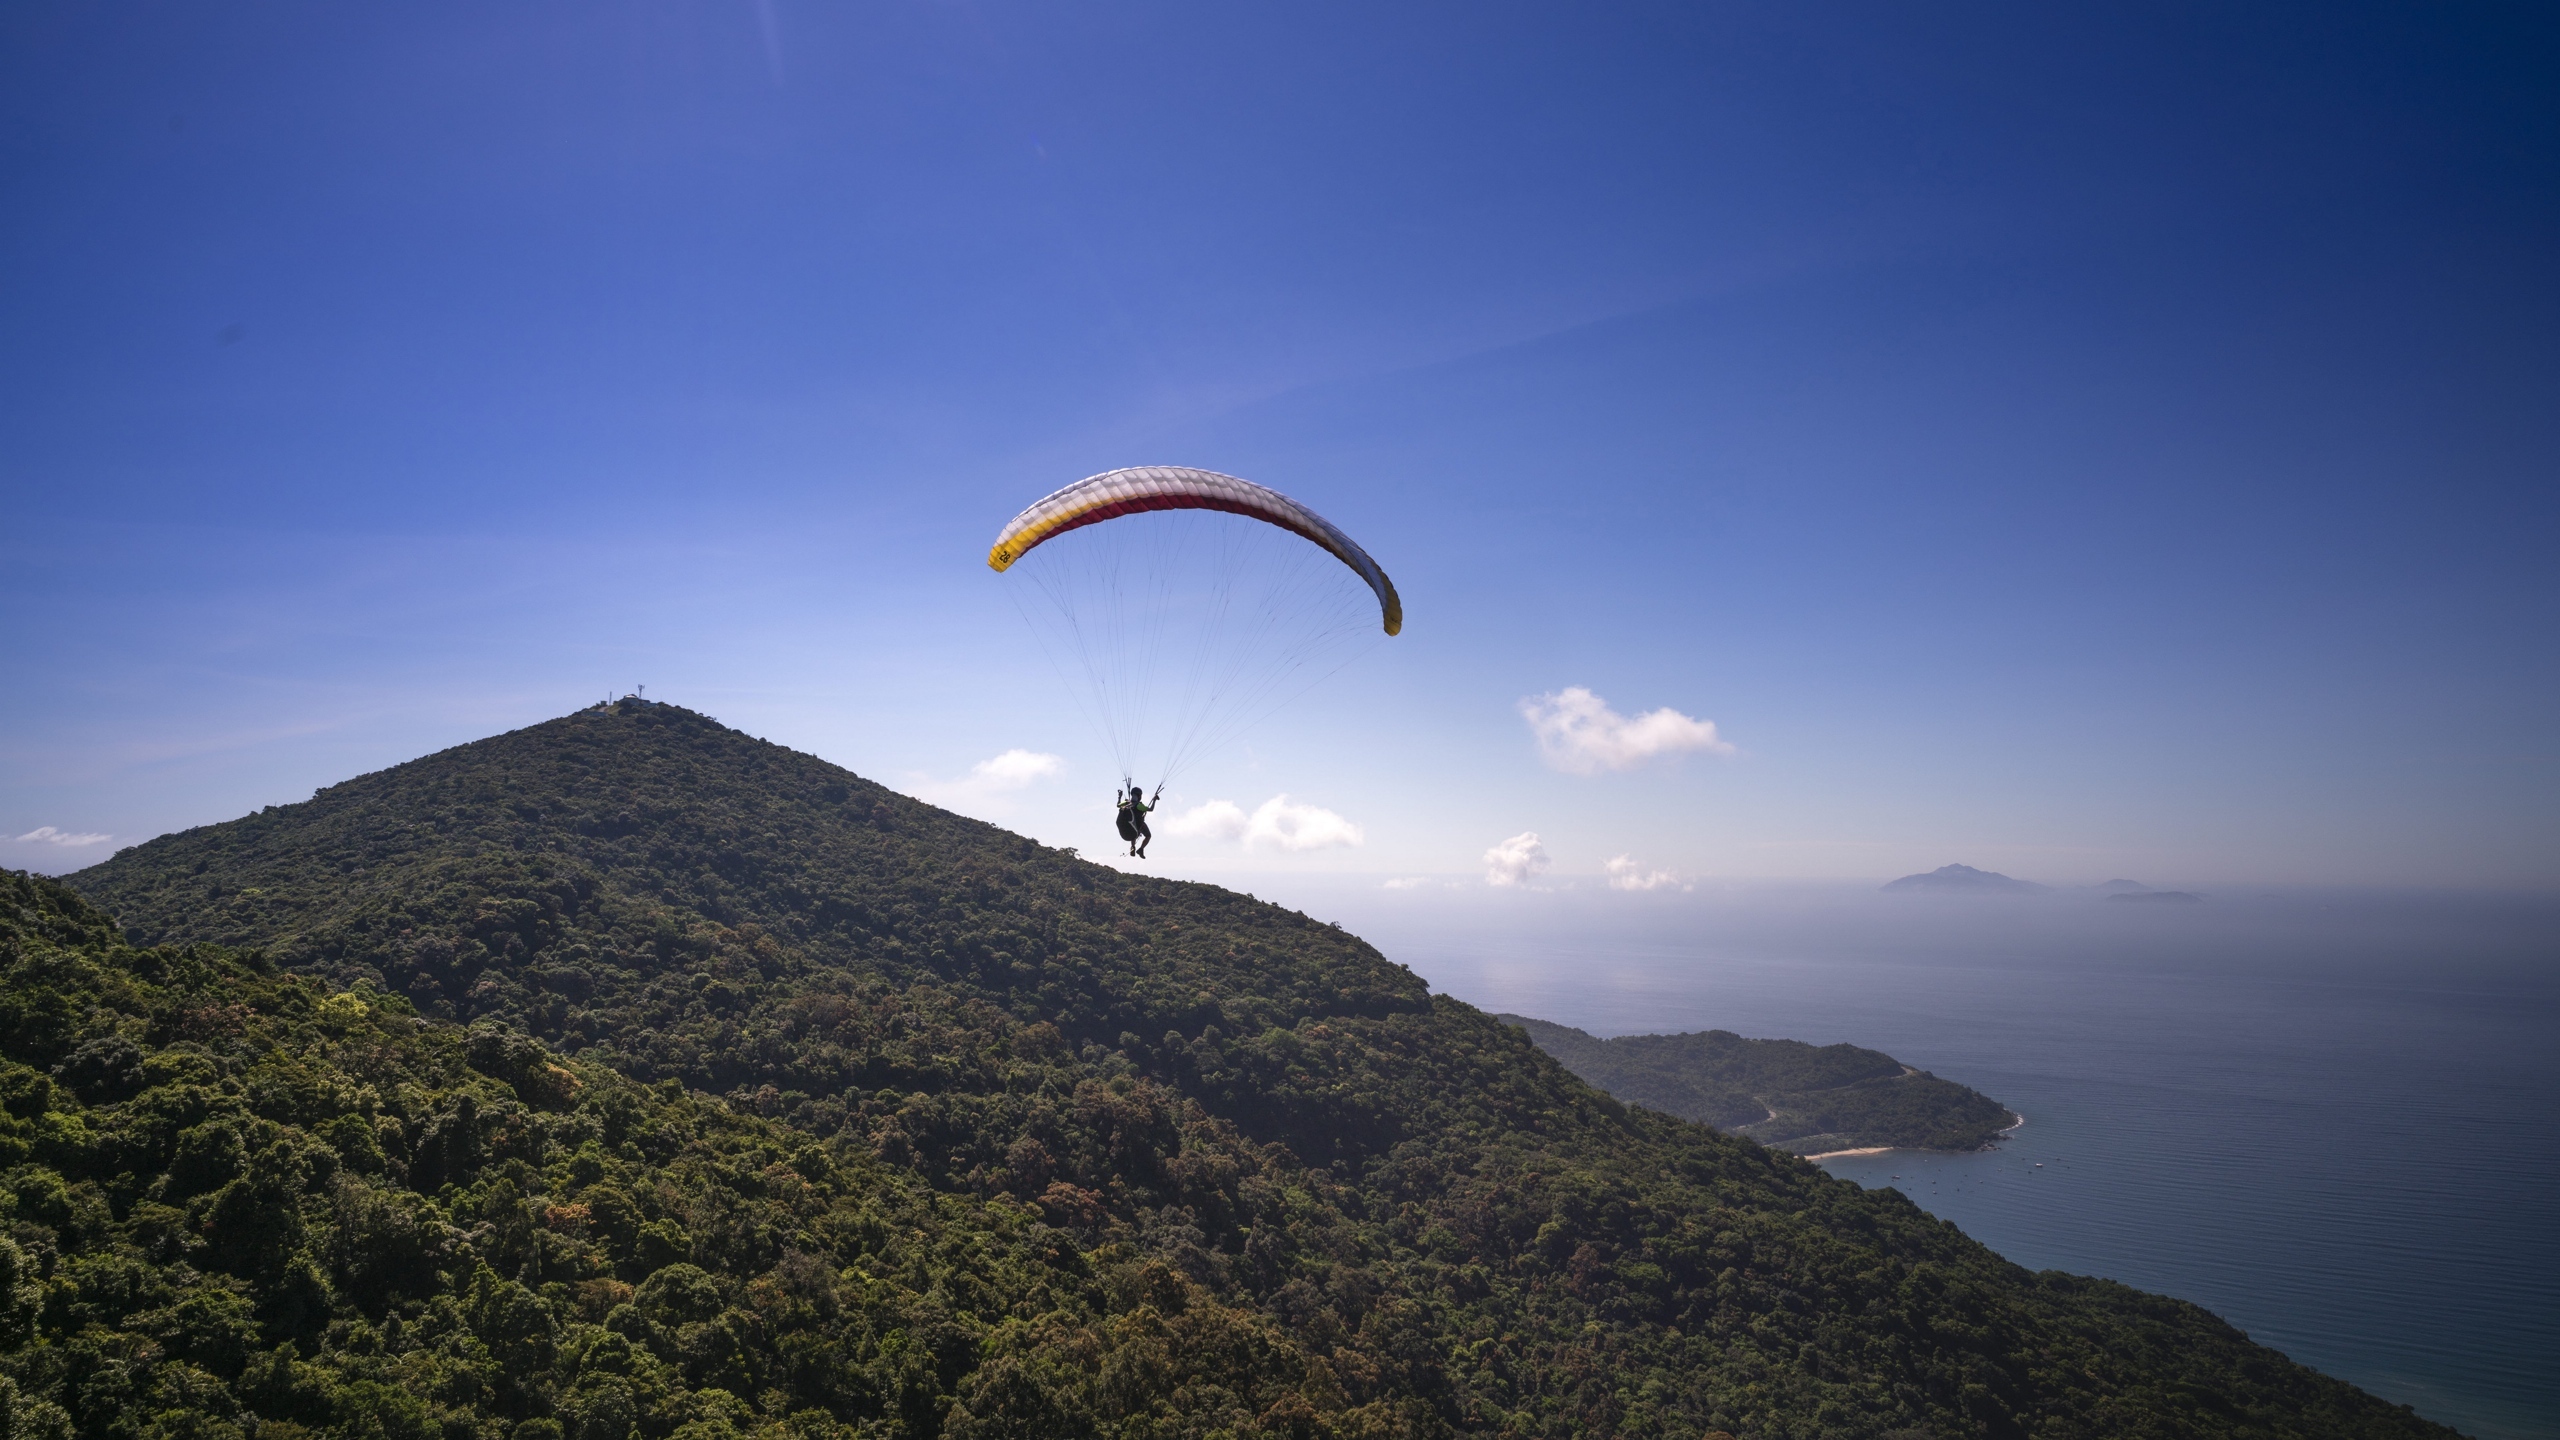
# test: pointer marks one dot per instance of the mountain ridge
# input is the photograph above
(1208, 1106)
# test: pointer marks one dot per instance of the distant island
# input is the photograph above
(1809, 1099)
(1964, 879)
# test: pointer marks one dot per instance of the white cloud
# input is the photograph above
(1013, 770)
(1217, 820)
(1406, 882)
(1291, 826)
(47, 835)
(1279, 822)
(1515, 860)
(1581, 735)
(1626, 874)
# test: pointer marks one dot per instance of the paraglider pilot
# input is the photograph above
(1133, 821)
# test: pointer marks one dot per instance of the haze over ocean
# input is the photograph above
(2323, 1115)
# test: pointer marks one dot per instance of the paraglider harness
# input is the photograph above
(1133, 814)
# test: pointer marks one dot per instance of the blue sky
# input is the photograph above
(2116, 442)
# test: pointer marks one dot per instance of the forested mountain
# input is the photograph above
(1799, 1097)
(743, 1095)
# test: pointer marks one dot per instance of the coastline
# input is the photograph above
(2017, 1122)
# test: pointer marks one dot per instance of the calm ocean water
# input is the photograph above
(2333, 1120)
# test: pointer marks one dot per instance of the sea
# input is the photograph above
(2331, 1118)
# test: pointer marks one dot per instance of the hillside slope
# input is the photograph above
(1798, 1097)
(240, 1204)
(1452, 1233)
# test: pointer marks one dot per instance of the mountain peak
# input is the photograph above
(580, 843)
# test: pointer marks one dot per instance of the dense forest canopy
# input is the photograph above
(625, 1076)
(1798, 1097)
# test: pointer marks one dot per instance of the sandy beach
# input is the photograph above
(2016, 1123)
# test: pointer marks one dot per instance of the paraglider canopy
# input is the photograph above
(1115, 493)
(1190, 605)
